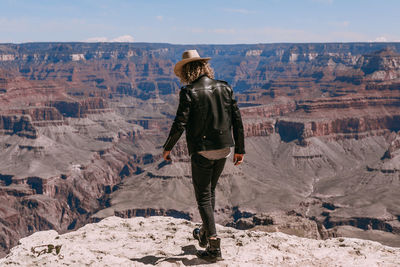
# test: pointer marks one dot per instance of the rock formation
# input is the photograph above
(82, 125)
(163, 241)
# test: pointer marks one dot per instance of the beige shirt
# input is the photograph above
(216, 154)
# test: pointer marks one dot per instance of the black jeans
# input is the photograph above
(205, 175)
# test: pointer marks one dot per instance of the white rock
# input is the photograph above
(7, 57)
(77, 57)
(293, 57)
(255, 52)
(165, 241)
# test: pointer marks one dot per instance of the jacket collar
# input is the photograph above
(203, 79)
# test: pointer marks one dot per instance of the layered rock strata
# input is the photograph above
(82, 127)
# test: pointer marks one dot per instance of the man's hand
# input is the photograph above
(238, 158)
(166, 155)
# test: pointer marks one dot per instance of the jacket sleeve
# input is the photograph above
(238, 132)
(180, 121)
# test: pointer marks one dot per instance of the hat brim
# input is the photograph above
(179, 65)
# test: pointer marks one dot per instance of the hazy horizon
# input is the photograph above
(208, 22)
(198, 44)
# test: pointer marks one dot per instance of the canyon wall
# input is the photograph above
(82, 127)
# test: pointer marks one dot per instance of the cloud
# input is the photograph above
(123, 39)
(385, 38)
(119, 39)
(239, 10)
(160, 18)
(380, 39)
(96, 40)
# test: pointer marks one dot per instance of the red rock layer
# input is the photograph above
(19, 125)
(296, 90)
(33, 203)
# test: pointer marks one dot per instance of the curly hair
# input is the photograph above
(193, 70)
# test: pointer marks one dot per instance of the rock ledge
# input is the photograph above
(165, 241)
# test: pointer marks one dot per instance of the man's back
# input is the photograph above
(207, 111)
(210, 119)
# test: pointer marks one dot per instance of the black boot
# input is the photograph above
(200, 235)
(212, 252)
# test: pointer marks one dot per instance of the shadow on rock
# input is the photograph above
(162, 164)
(187, 250)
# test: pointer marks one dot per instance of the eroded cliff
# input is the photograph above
(82, 127)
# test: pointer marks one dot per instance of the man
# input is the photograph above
(208, 112)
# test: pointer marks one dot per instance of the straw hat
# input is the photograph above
(188, 56)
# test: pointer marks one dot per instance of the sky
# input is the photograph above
(200, 22)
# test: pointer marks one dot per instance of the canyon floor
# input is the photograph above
(320, 190)
(82, 127)
(165, 241)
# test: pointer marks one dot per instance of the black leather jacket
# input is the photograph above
(208, 112)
